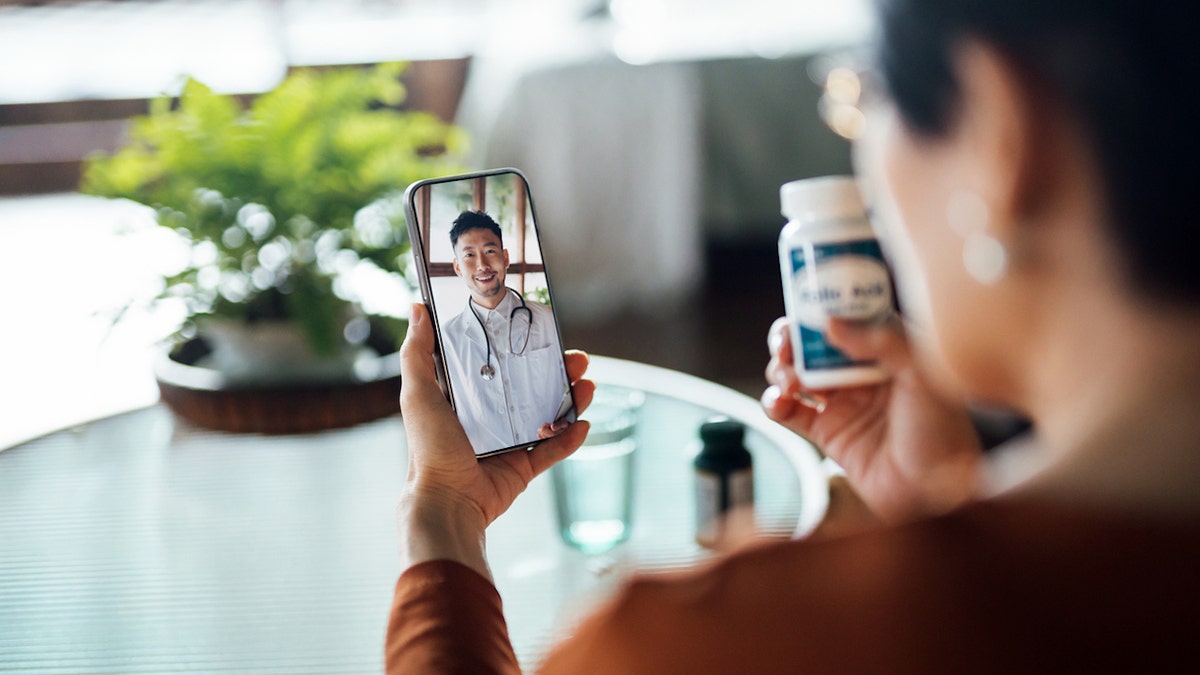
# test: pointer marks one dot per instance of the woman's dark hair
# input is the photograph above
(1127, 70)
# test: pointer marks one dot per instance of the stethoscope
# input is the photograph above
(487, 372)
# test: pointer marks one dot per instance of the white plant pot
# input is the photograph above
(271, 353)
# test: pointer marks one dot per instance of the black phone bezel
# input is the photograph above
(421, 258)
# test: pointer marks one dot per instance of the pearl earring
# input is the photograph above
(984, 257)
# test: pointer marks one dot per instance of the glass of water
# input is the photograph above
(593, 488)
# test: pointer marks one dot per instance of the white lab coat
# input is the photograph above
(528, 388)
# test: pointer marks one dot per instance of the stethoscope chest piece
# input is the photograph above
(487, 372)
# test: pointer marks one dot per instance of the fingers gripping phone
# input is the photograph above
(482, 275)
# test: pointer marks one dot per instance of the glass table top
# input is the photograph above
(140, 544)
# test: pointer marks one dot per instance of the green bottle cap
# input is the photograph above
(722, 432)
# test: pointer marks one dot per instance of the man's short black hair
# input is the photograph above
(474, 220)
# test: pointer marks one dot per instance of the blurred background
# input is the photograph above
(655, 135)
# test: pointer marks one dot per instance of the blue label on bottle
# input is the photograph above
(846, 279)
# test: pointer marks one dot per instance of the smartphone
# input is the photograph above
(477, 248)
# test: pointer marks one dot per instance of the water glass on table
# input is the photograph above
(593, 488)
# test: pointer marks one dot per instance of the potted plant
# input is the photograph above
(282, 200)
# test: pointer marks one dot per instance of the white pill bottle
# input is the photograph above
(832, 267)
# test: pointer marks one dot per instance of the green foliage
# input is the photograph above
(539, 295)
(280, 197)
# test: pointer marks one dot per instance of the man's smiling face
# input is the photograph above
(480, 259)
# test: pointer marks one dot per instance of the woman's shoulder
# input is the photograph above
(1007, 584)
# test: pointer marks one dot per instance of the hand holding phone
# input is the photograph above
(451, 497)
(479, 261)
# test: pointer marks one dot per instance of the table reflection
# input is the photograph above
(137, 543)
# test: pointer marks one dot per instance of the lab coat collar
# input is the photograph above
(505, 308)
(473, 330)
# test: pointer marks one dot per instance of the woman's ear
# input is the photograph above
(1004, 127)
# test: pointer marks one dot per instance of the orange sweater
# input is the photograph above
(1005, 586)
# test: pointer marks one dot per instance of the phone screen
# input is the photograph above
(479, 259)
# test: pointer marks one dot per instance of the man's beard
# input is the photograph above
(491, 292)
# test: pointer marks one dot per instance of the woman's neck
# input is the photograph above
(1118, 411)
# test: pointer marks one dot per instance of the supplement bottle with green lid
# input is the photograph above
(724, 477)
(832, 267)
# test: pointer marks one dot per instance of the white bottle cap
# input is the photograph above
(821, 198)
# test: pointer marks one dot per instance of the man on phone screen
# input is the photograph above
(502, 352)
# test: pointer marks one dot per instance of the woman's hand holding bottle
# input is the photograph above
(906, 450)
